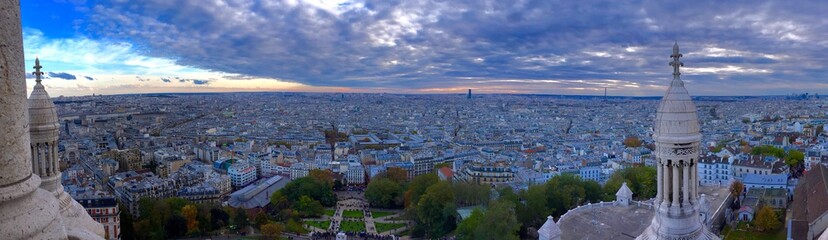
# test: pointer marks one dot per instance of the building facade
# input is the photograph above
(241, 174)
(715, 170)
(105, 211)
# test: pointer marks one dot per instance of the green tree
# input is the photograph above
(769, 151)
(176, 226)
(766, 219)
(218, 218)
(311, 187)
(640, 179)
(508, 193)
(384, 193)
(499, 222)
(203, 218)
(794, 158)
(418, 187)
(436, 210)
(466, 228)
(567, 191)
(307, 207)
(127, 228)
(324, 176)
(295, 227)
(396, 174)
(260, 219)
(467, 194)
(240, 219)
(534, 210)
(278, 201)
(272, 230)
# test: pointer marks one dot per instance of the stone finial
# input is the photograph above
(37, 71)
(676, 63)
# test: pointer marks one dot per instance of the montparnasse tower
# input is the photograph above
(677, 140)
(44, 130)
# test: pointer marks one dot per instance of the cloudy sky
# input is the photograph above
(418, 46)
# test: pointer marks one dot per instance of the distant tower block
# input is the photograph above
(677, 140)
(469, 95)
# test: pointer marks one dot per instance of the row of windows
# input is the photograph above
(98, 211)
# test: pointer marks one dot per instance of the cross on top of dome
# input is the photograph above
(676, 63)
(37, 71)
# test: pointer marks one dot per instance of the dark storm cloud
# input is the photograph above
(62, 75)
(200, 82)
(166, 80)
(89, 78)
(440, 44)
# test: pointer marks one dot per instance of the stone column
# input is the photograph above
(659, 187)
(676, 187)
(26, 212)
(685, 183)
(55, 160)
(694, 185)
(666, 182)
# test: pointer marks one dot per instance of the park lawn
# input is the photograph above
(330, 212)
(319, 224)
(730, 234)
(352, 214)
(379, 214)
(382, 227)
(352, 226)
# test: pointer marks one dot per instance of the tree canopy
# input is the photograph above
(499, 221)
(737, 188)
(640, 179)
(313, 187)
(768, 150)
(767, 219)
(385, 193)
(794, 158)
(632, 142)
(436, 211)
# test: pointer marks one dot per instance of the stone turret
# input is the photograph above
(45, 130)
(26, 211)
(677, 138)
(549, 230)
(624, 195)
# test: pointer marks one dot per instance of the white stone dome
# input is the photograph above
(676, 118)
(43, 121)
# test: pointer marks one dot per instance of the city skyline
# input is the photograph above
(423, 47)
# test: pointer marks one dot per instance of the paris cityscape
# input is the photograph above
(664, 140)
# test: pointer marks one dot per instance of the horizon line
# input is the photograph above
(415, 93)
